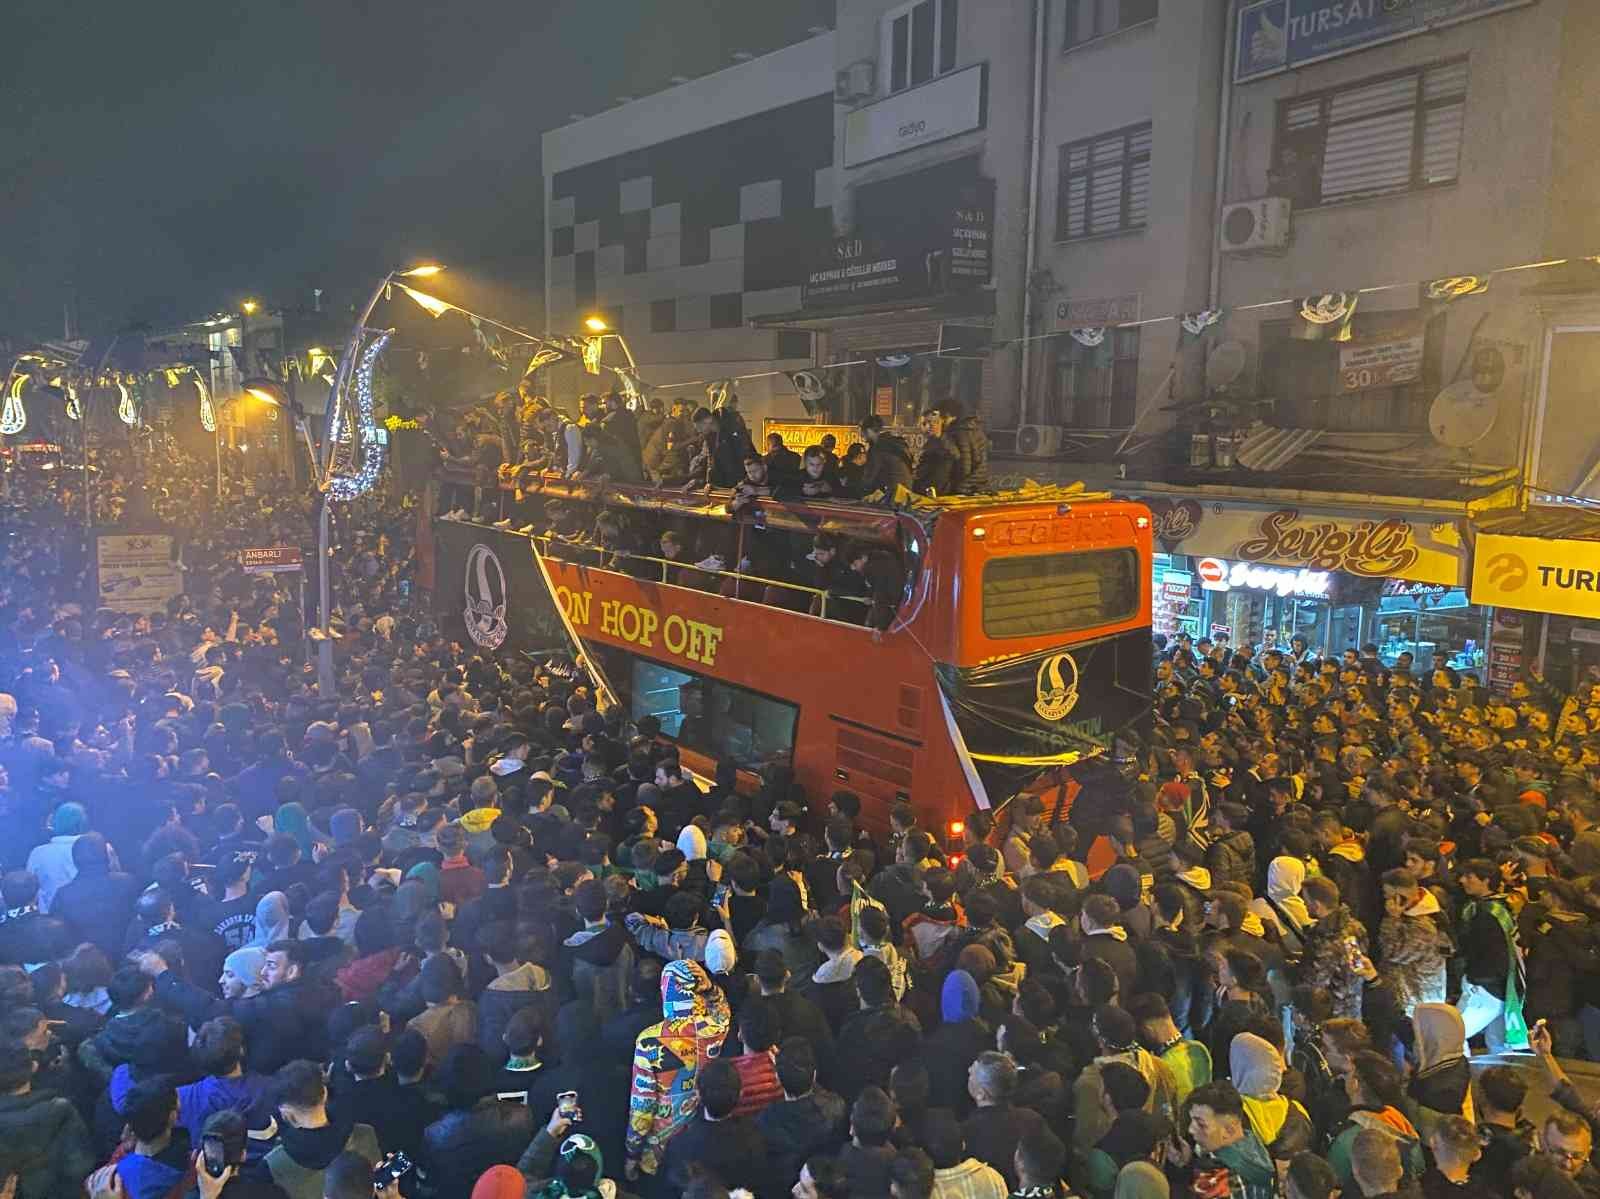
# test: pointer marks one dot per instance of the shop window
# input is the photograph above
(1395, 134)
(919, 42)
(724, 722)
(1318, 384)
(1095, 387)
(1103, 184)
(1089, 19)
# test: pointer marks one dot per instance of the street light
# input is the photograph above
(596, 324)
(249, 307)
(323, 464)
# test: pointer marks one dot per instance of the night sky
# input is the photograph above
(169, 159)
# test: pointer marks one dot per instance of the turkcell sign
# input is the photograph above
(1279, 35)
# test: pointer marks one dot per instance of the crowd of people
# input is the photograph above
(673, 443)
(462, 932)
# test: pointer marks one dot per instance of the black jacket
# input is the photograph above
(936, 468)
(33, 938)
(731, 1149)
(280, 1026)
(1231, 858)
(97, 907)
(398, 1116)
(463, 1143)
(888, 466)
(949, 1052)
(971, 445)
(44, 1142)
(992, 1133)
(871, 1044)
(796, 1129)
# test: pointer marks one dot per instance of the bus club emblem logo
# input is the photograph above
(485, 616)
(1054, 695)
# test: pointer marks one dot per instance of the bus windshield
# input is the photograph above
(1058, 593)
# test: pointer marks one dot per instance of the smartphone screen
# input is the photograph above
(567, 1103)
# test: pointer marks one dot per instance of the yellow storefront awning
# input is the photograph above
(1539, 561)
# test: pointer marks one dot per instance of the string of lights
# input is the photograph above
(348, 487)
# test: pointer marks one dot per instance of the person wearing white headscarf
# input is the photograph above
(1283, 1125)
(1283, 906)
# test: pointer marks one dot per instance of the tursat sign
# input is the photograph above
(1537, 574)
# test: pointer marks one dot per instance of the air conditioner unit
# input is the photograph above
(858, 81)
(1038, 441)
(1255, 225)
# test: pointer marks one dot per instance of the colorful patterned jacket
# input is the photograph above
(667, 1058)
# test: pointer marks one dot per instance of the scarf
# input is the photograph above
(27, 909)
(1516, 1024)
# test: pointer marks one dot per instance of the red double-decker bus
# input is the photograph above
(1017, 638)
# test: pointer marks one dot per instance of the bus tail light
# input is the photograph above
(957, 827)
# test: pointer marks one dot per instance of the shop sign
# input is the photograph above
(137, 573)
(1217, 575)
(1380, 363)
(1316, 541)
(798, 435)
(1407, 589)
(1094, 313)
(1537, 574)
(945, 107)
(938, 239)
(1277, 35)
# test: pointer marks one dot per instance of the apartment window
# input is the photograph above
(634, 260)
(1096, 387)
(919, 42)
(664, 316)
(1089, 19)
(1104, 184)
(727, 310)
(1398, 133)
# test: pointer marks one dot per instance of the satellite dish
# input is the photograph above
(1462, 415)
(1225, 364)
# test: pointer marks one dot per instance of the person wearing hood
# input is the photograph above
(782, 929)
(1044, 898)
(1283, 1124)
(518, 983)
(952, 1047)
(1442, 1085)
(52, 863)
(889, 464)
(1126, 884)
(158, 1164)
(1117, 1038)
(681, 933)
(596, 961)
(98, 903)
(667, 1060)
(1104, 937)
(44, 1143)
(274, 920)
(309, 1138)
(291, 821)
(1413, 947)
(1283, 907)
(1372, 1085)
(1228, 1158)
(482, 810)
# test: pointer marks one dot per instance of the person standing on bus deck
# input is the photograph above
(888, 459)
(783, 464)
(936, 464)
(971, 446)
(718, 460)
(566, 443)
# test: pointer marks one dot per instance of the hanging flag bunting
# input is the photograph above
(807, 386)
(74, 408)
(1196, 323)
(592, 347)
(126, 412)
(1327, 316)
(14, 416)
(630, 383)
(892, 362)
(1088, 335)
(545, 356)
(1454, 287)
(717, 393)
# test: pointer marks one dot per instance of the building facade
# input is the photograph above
(924, 272)
(682, 217)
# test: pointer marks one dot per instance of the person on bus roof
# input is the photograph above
(971, 446)
(783, 464)
(888, 459)
(936, 464)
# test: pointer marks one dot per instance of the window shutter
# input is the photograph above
(1139, 179)
(1077, 206)
(1370, 156)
